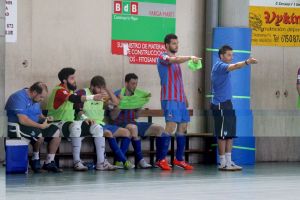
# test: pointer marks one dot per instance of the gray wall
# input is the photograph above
(58, 33)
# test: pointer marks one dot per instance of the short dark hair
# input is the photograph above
(130, 76)
(98, 81)
(65, 73)
(224, 49)
(38, 87)
(169, 37)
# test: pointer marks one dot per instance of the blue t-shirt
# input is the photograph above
(221, 83)
(20, 103)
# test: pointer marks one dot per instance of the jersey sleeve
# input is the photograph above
(164, 59)
(60, 97)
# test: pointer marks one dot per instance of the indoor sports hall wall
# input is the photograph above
(62, 33)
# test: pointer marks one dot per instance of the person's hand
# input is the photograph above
(105, 95)
(50, 118)
(98, 97)
(44, 125)
(251, 61)
(89, 121)
(195, 59)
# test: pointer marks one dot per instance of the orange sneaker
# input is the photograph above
(163, 164)
(183, 165)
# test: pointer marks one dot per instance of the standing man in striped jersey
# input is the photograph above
(173, 99)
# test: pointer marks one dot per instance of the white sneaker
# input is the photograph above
(233, 167)
(105, 166)
(222, 167)
(144, 165)
(79, 166)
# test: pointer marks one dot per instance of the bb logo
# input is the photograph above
(126, 7)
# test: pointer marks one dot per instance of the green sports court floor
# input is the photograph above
(263, 181)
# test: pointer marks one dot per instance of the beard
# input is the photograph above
(173, 51)
(71, 87)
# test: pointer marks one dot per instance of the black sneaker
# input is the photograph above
(51, 167)
(35, 165)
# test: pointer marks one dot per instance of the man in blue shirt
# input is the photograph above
(23, 107)
(221, 105)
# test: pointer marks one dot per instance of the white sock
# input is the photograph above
(35, 156)
(228, 158)
(76, 146)
(100, 148)
(50, 158)
(222, 160)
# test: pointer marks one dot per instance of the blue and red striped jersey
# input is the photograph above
(170, 79)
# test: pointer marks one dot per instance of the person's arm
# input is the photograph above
(114, 99)
(241, 64)
(63, 95)
(78, 106)
(165, 59)
(182, 59)
(42, 117)
(114, 113)
(74, 98)
(26, 121)
(186, 101)
(19, 107)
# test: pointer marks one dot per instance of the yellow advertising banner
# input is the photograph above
(275, 26)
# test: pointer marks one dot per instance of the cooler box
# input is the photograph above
(16, 156)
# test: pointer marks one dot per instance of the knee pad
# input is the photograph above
(96, 130)
(75, 129)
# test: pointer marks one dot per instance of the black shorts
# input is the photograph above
(32, 134)
(224, 120)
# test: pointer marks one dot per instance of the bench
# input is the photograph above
(208, 137)
(150, 114)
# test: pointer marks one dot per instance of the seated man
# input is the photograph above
(60, 107)
(23, 107)
(95, 111)
(127, 118)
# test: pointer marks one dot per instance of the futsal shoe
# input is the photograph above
(143, 164)
(35, 165)
(232, 167)
(163, 164)
(105, 166)
(51, 167)
(79, 166)
(183, 164)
